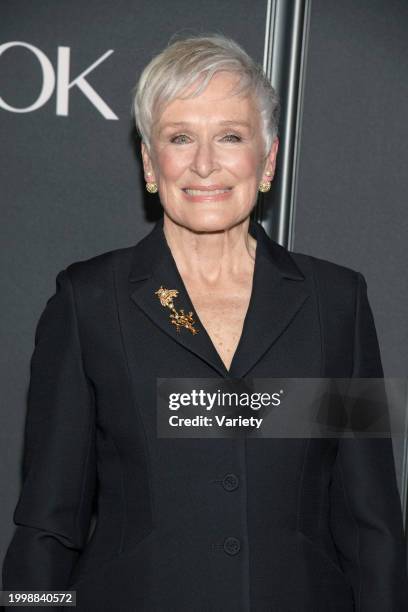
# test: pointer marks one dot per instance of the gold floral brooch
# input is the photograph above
(179, 319)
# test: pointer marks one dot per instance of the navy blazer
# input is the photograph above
(282, 525)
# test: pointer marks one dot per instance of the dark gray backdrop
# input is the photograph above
(353, 182)
(71, 183)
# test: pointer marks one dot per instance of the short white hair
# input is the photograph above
(181, 64)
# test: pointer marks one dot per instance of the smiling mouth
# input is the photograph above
(207, 192)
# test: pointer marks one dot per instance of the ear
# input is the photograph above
(270, 164)
(147, 164)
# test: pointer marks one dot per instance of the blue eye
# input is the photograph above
(232, 138)
(179, 139)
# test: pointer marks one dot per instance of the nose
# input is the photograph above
(204, 161)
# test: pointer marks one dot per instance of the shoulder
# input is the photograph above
(324, 270)
(86, 282)
(335, 285)
(97, 268)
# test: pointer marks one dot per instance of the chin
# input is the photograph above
(208, 220)
(210, 223)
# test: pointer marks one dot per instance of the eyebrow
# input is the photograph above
(224, 122)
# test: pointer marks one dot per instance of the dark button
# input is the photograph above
(230, 482)
(232, 545)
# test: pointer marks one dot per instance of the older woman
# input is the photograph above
(286, 525)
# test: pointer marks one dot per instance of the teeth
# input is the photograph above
(194, 192)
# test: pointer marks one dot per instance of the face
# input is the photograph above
(207, 157)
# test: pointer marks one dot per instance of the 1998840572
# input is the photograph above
(37, 598)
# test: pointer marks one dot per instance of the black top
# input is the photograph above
(289, 525)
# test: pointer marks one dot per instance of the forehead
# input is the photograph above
(217, 103)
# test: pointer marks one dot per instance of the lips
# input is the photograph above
(206, 191)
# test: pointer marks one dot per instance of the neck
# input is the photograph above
(211, 258)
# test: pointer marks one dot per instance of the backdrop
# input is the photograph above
(71, 180)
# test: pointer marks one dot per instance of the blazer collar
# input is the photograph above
(274, 302)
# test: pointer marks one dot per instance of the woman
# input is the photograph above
(288, 525)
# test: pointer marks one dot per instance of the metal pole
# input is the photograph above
(285, 52)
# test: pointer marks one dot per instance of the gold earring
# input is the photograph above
(151, 187)
(264, 186)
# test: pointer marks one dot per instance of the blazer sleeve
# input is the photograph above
(366, 515)
(55, 505)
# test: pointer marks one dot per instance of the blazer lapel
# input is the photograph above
(275, 298)
(154, 266)
(278, 293)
